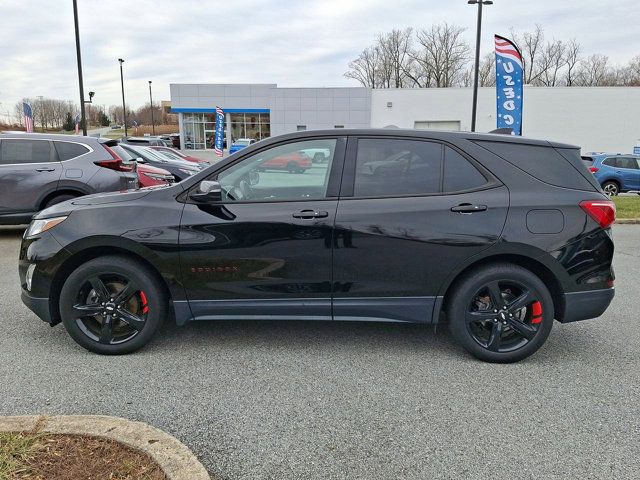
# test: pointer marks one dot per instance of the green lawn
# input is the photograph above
(627, 206)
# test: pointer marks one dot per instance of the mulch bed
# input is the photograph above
(80, 457)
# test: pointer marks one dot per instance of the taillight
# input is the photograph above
(602, 211)
(593, 169)
(115, 163)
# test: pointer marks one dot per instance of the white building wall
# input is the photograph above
(596, 118)
(319, 108)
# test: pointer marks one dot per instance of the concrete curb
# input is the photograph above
(628, 221)
(175, 459)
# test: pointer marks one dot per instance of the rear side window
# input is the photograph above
(69, 150)
(611, 161)
(397, 167)
(544, 163)
(459, 173)
(627, 162)
(24, 151)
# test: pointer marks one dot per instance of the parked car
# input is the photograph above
(144, 141)
(317, 155)
(616, 172)
(180, 169)
(240, 144)
(173, 153)
(293, 162)
(148, 175)
(39, 170)
(175, 140)
(499, 236)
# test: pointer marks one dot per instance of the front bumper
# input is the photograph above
(585, 305)
(39, 306)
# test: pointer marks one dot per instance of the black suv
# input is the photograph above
(495, 234)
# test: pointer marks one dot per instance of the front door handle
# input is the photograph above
(310, 214)
(468, 208)
(45, 169)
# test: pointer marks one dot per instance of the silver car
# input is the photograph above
(40, 170)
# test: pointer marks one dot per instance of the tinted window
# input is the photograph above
(24, 151)
(68, 150)
(122, 153)
(611, 161)
(285, 172)
(543, 163)
(459, 173)
(626, 162)
(397, 167)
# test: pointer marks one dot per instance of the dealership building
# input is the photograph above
(596, 118)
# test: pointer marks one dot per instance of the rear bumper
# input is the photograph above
(585, 305)
(39, 306)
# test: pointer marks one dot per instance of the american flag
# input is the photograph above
(28, 117)
(219, 133)
(506, 49)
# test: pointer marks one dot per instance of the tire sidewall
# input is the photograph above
(120, 266)
(469, 286)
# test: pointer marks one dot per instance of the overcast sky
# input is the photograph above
(291, 43)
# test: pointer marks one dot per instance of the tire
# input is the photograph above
(58, 199)
(611, 188)
(318, 158)
(292, 167)
(480, 325)
(136, 319)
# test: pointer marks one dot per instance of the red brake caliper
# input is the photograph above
(536, 313)
(143, 299)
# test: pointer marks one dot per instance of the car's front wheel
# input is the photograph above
(500, 313)
(112, 305)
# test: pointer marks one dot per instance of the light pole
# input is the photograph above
(480, 3)
(79, 59)
(153, 125)
(124, 109)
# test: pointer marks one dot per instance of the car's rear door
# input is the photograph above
(29, 170)
(264, 251)
(629, 171)
(403, 226)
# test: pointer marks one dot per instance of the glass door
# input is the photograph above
(209, 139)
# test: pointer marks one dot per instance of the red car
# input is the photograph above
(177, 153)
(295, 162)
(149, 176)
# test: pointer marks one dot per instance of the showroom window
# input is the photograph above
(199, 128)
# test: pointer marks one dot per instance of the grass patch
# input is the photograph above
(15, 450)
(627, 206)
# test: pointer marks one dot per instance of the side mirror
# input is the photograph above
(207, 191)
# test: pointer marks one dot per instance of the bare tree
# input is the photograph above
(394, 48)
(594, 70)
(549, 63)
(365, 68)
(530, 43)
(571, 59)
(442, 55)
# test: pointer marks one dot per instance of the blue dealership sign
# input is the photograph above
(509, 85)
(219, 133)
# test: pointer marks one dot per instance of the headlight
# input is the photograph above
(188, 172)
(38, 226)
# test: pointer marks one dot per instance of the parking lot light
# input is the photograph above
(153, 125)
(476, 67)
(124, 109)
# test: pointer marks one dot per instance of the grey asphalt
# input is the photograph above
(358, 401)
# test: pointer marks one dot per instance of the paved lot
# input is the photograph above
(374, 401)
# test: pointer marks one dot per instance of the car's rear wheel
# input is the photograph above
(611, 188)
(292, 167)
(500, 313)
(112, 305)
(318, 158)
(58, 199)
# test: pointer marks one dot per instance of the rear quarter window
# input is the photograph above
(69, 150)
(544, 163)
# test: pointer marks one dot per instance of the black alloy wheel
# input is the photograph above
(501, 313)
(112, 305)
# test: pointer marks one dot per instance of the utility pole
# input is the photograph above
(474, 108)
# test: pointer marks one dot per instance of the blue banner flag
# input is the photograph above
(509, 85)
(219, 138)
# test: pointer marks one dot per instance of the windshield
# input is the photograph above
(242, 142)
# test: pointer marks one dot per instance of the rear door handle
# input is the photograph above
(45, 169)
(468, 208)
(310, 214)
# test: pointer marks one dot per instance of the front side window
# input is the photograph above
(281, 173)
(627, 162)
(24, 151)
(397, 167)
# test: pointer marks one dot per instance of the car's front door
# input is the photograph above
(410, 211)
(29, 170)
(627, 168)
(264, 251)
